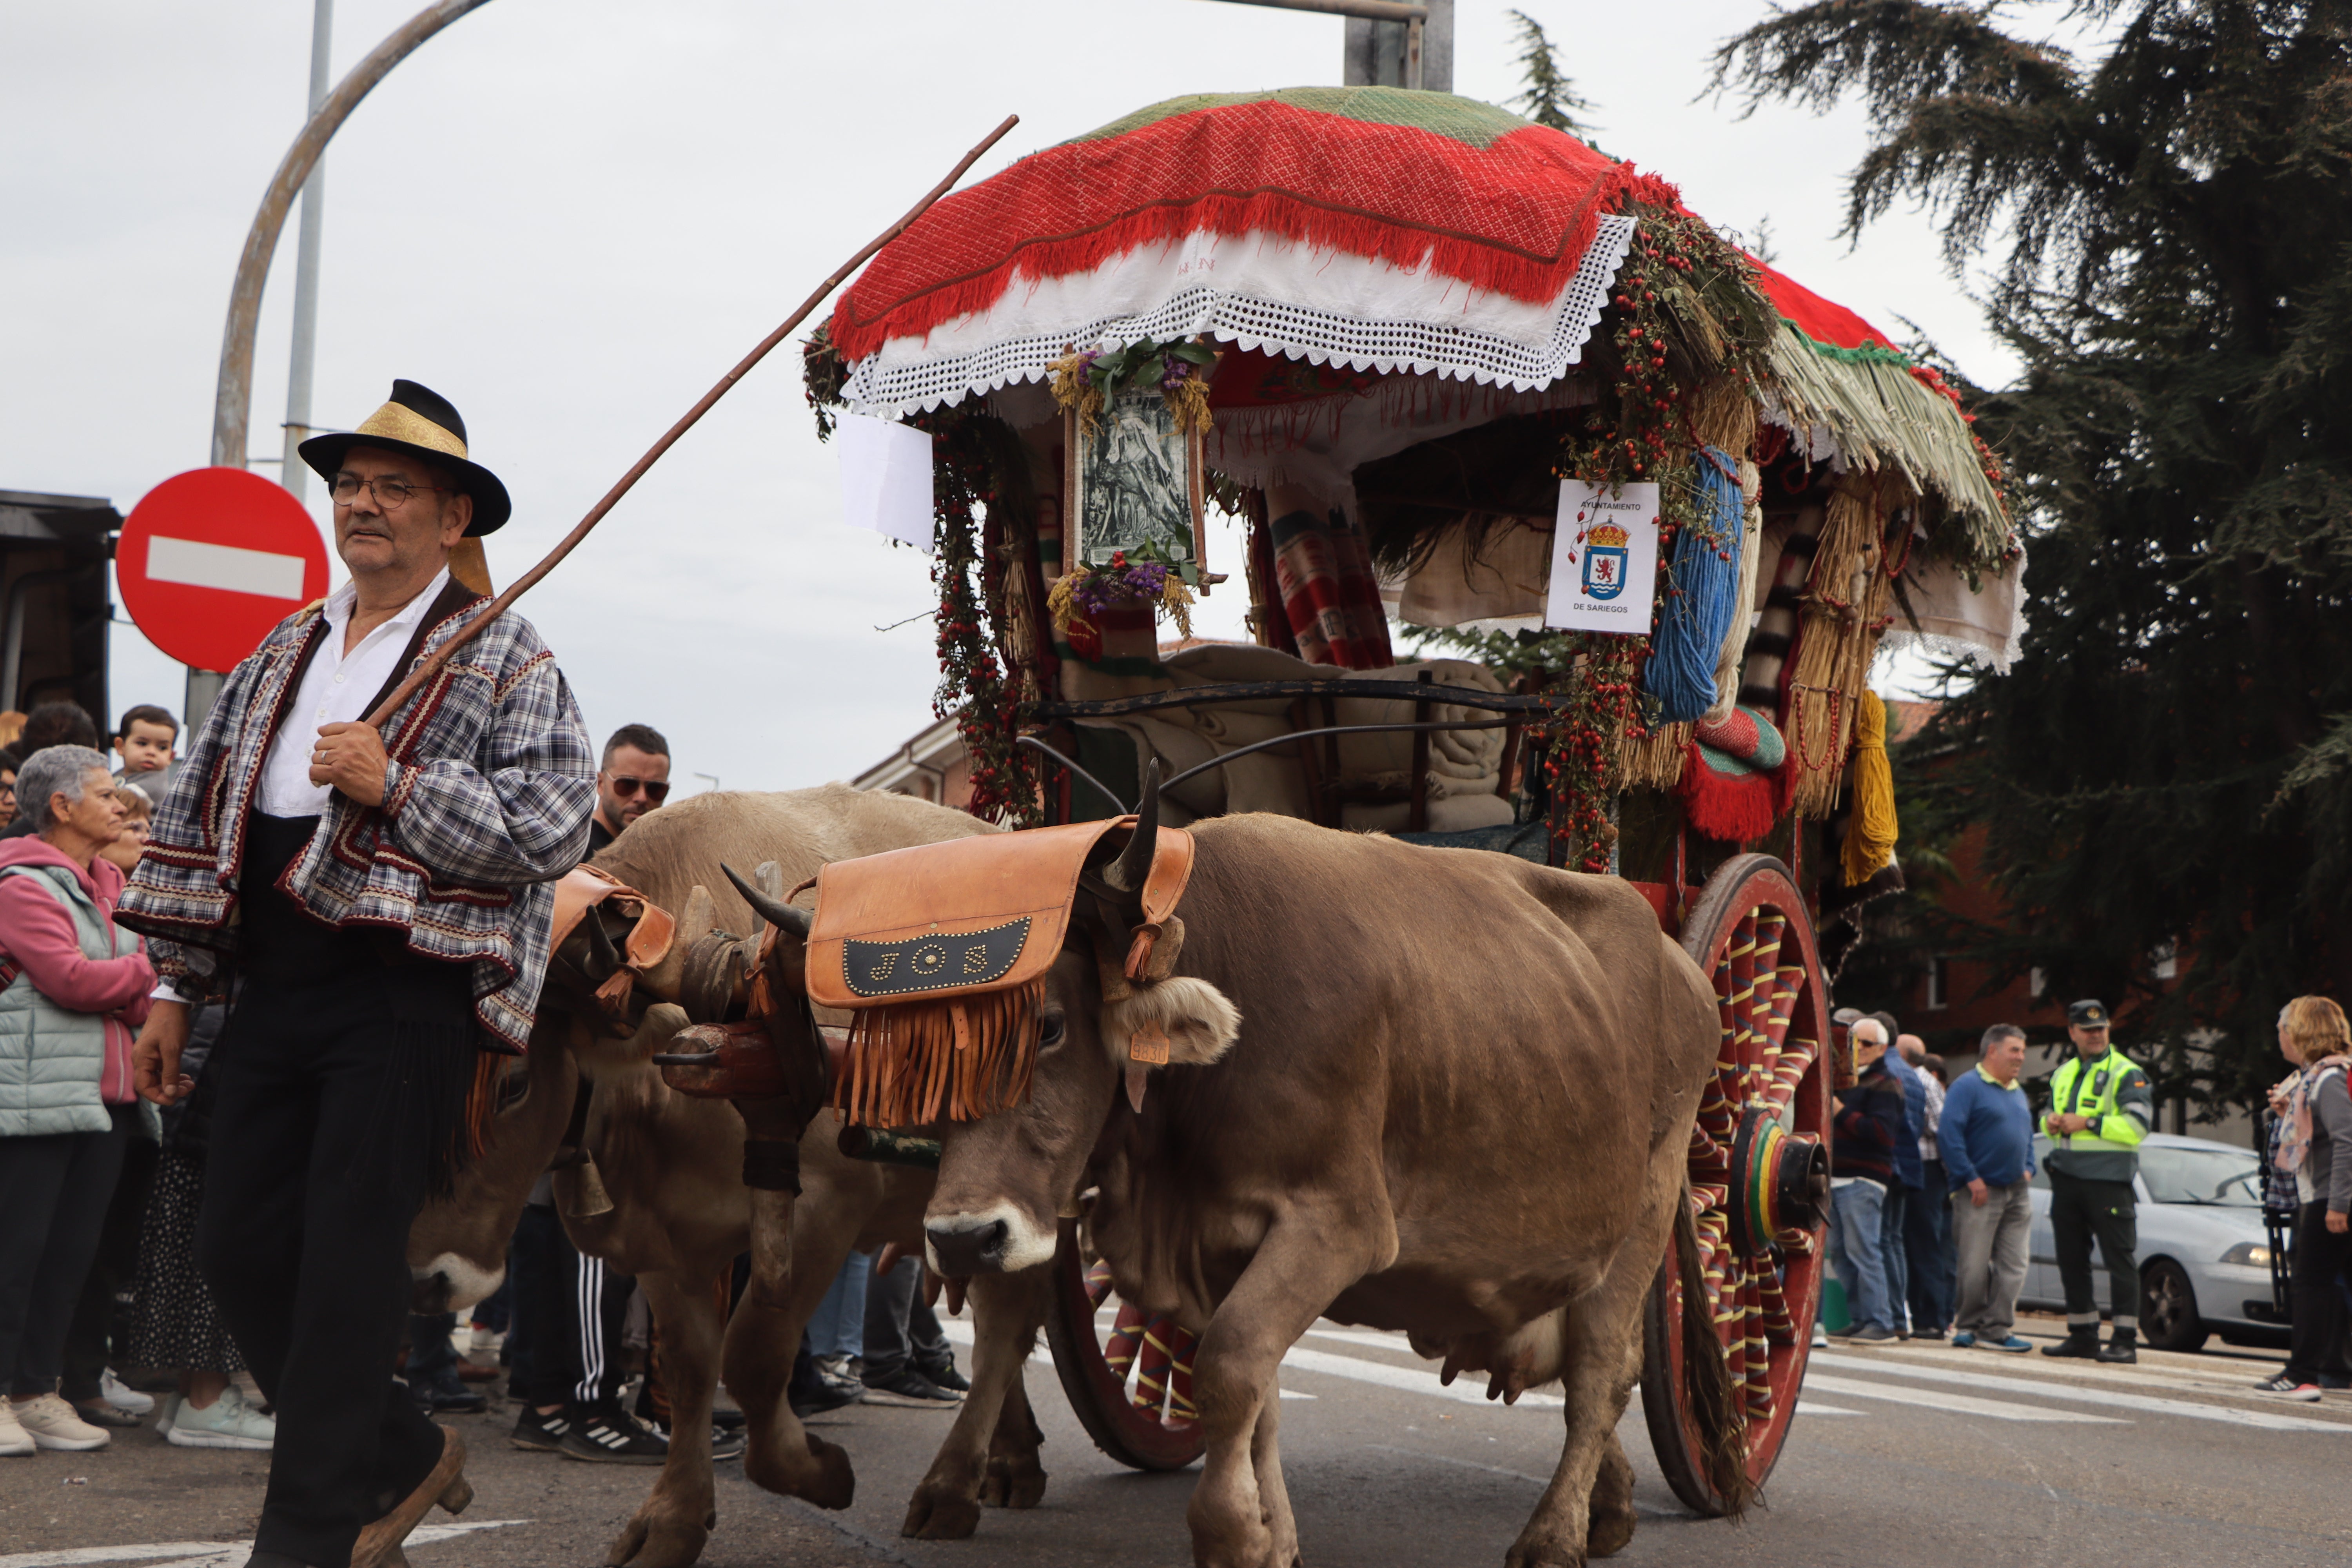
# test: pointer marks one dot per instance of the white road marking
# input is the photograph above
(1639, 1507)
(1957, 1404)
(1988, 1383)
(212, 1554)
(1470, 1390)
(224, 566)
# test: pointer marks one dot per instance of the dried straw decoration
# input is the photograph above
(1845, 614)
(1652, 759)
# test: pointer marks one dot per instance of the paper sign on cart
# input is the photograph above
(1605, 558)
(886, 478)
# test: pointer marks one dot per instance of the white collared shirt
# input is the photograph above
(335, 690)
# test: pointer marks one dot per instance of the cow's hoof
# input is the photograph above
(1608, 1534)
(1534, 1550)
(935, 1513)
(655, 1540)
(837, 1483)
(1013, 1483)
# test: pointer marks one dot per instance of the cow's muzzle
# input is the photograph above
(967, 1244)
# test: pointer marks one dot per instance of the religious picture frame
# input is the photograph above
(1137, 480)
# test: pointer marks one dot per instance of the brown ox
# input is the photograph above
(672, 1167)
(1441, 1090)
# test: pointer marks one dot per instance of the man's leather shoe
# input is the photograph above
(379, 1544)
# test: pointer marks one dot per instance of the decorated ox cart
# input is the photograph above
(1653, 507)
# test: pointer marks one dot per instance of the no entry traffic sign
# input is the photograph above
(212, 559)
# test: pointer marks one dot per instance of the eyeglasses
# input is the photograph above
(390, 493)
(656, 790)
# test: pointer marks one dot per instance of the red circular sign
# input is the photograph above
(212, 559)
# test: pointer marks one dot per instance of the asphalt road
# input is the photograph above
(1899, 1456)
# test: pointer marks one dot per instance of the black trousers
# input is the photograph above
(101, 1319)
(54, 1190)
(342, 1074)
(2321, 1260)
(900, 1325)
(2108, 1211)
(569, 1314)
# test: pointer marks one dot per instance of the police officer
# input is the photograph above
(2100, 1109)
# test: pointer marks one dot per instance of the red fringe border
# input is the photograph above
(1481, 263)
(1732, 810)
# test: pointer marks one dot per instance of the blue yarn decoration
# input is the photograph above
(1705, 580)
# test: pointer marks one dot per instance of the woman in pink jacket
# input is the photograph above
(73, 991)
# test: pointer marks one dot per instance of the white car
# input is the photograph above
(2204, 1252)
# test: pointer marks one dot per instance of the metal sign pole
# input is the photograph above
(290, 470)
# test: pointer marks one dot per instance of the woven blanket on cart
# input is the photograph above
(1330, 595)
(1374, 227)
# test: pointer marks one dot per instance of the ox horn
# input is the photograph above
(1134, 864)
(604, 958)
(790, 919)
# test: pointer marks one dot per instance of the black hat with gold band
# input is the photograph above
(421, 421)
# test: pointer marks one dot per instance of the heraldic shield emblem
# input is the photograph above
(1604, 562)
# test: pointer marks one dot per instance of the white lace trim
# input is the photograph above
(1420, 328)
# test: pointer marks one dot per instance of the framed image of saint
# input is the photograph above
(1135, 481)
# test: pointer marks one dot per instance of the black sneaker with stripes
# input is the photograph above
(605, 1436)
(543, 1434)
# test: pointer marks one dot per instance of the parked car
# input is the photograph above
(2204, 1251)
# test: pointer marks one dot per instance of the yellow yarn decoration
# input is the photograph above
(1870, 834)
(1061, 602)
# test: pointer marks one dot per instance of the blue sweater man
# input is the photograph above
(1986, 1139)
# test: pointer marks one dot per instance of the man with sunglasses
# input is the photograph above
(384, 900)
(633, 779)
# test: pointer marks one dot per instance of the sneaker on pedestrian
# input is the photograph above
(542, 1434)
(612, 1436)
(908, 1389)
(16, 1443)
(829, 1385)
(2016, 1344)
(54, 1423)
(99, 1412)
(1821, 1338)
(443, 1394)
(122, 1397)
(2292, 1388)
(726, 1444)
(1965, 1340)
(1927, 1333)
(228, 1422)
(944, 1372)
(164, 1422)
(1872, 1334)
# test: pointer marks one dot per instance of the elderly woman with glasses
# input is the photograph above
(75, 988)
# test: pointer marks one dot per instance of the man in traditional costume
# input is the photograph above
(385, 899)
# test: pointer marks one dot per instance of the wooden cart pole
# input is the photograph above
(440, 655)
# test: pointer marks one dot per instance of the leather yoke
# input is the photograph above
(585, 886)
(970, 915)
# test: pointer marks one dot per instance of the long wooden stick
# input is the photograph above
(440, 655)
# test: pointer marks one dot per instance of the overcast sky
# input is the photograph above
(570, 218)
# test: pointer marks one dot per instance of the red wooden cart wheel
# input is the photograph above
(1129, 1376)
(1759, 1172)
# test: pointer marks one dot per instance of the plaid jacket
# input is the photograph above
(488, 798)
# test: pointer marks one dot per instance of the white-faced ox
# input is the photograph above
(1445, 1092)
(672, 1168)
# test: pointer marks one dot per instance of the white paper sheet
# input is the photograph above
(1604, 559)
(886, 478)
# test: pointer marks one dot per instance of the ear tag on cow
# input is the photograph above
(1136, 1077)
(1148, 1045)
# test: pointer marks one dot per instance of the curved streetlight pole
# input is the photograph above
(233, 404)
(233, 400)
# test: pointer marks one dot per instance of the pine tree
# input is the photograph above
(2171, 760)
(1550, 97)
